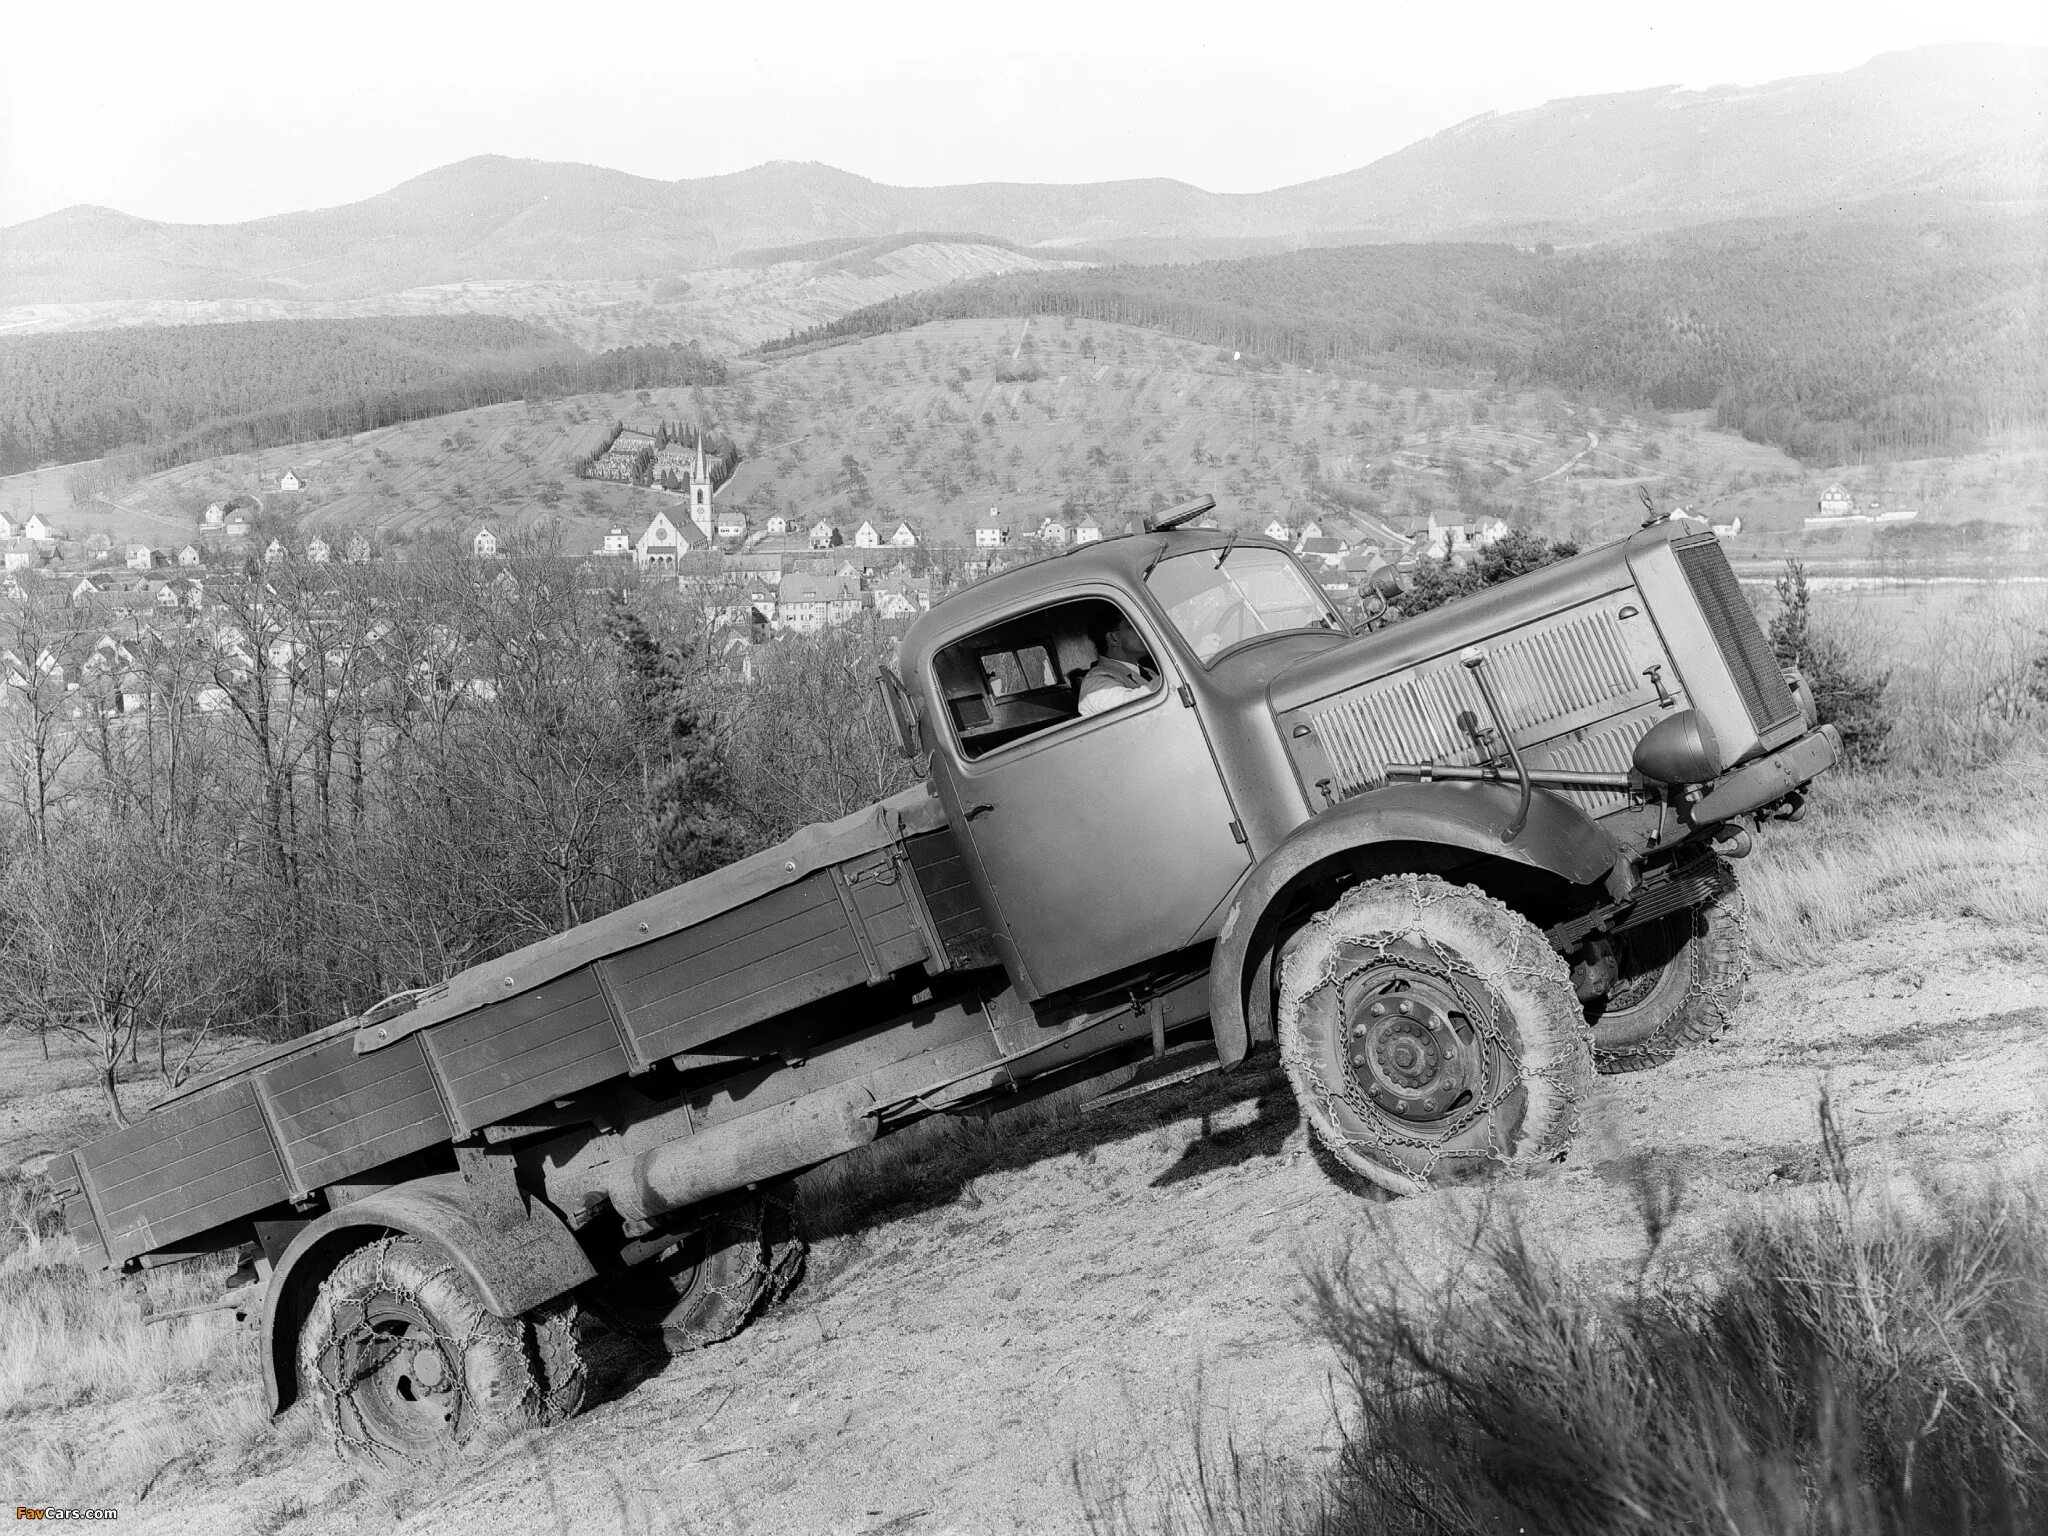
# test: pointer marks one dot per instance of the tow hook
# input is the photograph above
(1733, 842)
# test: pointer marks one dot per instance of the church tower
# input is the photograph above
(700, 492)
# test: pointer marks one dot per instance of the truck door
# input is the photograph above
(1095, 841)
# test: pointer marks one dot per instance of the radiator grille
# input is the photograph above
(1736, 632)
(1549, 679)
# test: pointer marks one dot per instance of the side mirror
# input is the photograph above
(898, 708)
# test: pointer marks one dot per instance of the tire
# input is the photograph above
(1431, 1033)
(413, 1372)
(741, 1257)
(1681, 980)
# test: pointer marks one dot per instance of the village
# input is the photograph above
(748, 582)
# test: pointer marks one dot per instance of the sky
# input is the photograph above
(214, 111)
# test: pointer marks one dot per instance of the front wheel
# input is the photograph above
(1677, 982)
(1431, 1033)
(412, 1371)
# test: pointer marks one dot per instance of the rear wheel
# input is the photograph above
(412, 1371)
(1678, 982)
(1431, 1033)
(704, 1282)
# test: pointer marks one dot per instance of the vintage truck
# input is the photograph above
(1450, 867)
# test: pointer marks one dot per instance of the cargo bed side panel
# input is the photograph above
(338, 1114)
(526, 1051)
(182, 1169)
(791, 947)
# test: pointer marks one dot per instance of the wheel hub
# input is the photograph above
(1406, 1053)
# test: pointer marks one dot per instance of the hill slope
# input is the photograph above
(1963, 121)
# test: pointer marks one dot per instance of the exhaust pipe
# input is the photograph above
(765, 1145)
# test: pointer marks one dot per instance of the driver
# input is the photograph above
(1124, 672)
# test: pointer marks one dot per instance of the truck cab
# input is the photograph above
(1581, 743)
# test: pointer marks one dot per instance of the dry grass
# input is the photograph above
(100, 1406)
(1864, 1355)
(1881, 847)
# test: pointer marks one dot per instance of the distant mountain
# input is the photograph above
(1965, 121)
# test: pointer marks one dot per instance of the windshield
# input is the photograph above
(1217, 598)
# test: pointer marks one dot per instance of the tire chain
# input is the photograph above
(1709, 1004)
(1449, 966)
(533, 1399)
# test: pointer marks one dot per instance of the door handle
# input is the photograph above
(976, 810)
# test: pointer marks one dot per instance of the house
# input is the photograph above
(778, 523)
(318, 551)
(190, 555)
(19, 554)
(291, 480)
(1728, 530)
(140, 557)
(357, 551)
(215, 515)
(274, 553)
(1836, 501)
(1087, 531)
(865, 537)
(42, 532)
(905, 537)
(1312, 529)
(824, 534)
(990, 533)
(807, 604)
(663, 543)
(1329, 552)
(98, 546)
(731, 523)
(1279, 531)
(616, 542)
(7, 527)
(1053, 530)
(484, 545)
(902, 597)
(236, 527)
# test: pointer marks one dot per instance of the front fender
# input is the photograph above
(516, 1260)
(1559, 839)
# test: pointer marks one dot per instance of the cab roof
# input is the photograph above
(1121, 561)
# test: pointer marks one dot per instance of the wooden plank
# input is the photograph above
(527, 1051)
(85, 1232)
(181, 1169)
(760, 992)
(339, 1114)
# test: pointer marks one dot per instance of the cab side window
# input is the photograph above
(1027, 674)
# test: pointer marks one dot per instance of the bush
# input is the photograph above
(1849, 694)
(1439, 582)
(1860, 1363)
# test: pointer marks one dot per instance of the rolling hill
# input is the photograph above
(1962, 122)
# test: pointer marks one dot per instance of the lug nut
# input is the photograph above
(1378, 1009)
(1358, 1058)
(1406, 1006)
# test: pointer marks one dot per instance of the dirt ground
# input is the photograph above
(1066, 1317)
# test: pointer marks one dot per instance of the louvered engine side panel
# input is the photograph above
(1609, 750)
(1556, 676)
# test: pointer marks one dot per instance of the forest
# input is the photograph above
(357, 779)
(1875, 336)
(190, 392)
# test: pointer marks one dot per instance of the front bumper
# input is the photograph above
(1757, 784)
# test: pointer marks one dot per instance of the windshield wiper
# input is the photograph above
(1227, 546)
